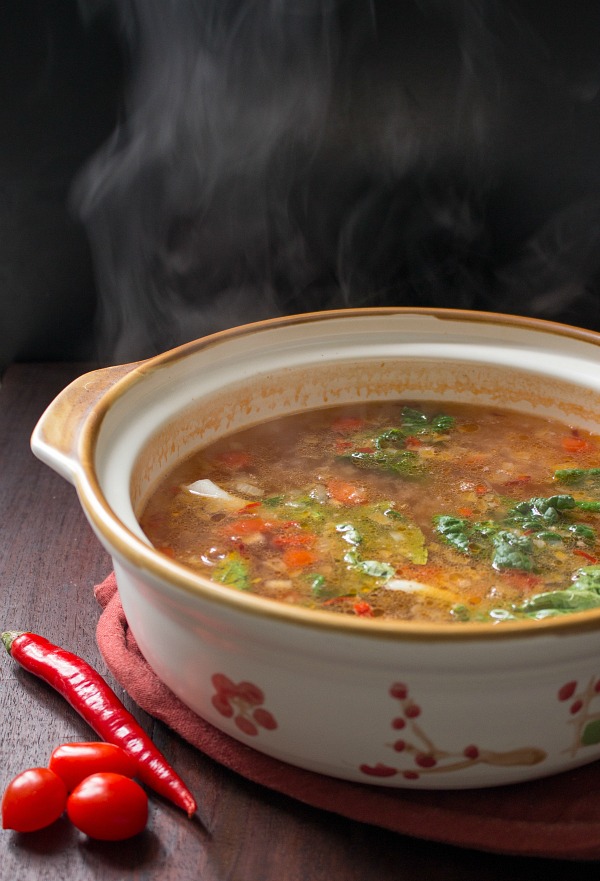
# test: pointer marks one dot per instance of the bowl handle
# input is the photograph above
(55, 438)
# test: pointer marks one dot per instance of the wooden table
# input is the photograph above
(49, 563)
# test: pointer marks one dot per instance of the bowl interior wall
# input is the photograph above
(272, 394)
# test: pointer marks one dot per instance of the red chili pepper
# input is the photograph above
(91, 696)
(589, 557)
(251, 506)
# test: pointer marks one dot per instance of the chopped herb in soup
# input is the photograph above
(430, 512)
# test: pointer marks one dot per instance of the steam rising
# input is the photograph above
(277, 157)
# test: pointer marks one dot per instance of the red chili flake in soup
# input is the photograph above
(413, 511)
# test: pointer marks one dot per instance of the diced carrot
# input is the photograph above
(346, 493)
(481, 489)
(235, 459)
(363, 609)
(167, 550)
(298, 558)
(573, 444)
(464, 512)
(413, 443)
(347, 423)
(245, 525)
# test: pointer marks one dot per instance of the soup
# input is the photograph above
(415, 511)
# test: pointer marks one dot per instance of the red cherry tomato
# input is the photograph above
(34, 799)
(73, 762)
(108, 806)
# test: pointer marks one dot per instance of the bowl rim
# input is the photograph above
(139, 555)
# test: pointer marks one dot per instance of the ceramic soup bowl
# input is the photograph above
(393, 703)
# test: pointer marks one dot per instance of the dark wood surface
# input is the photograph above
(49, 563)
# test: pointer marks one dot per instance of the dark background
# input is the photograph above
(60, 93)
(516, 230)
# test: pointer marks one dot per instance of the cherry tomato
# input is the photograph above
(108, 806)
(73, 762)
(34, 799)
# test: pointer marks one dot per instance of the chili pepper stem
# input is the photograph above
(8, 637)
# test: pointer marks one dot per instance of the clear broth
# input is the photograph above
(416, 511)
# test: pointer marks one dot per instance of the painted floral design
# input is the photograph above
(421, 755)
(242, 702)
(584, 709)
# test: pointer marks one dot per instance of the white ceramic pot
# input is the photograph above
(391, 703)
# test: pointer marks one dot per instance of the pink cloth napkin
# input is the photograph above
(557, 817)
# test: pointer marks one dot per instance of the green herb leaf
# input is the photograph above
(587, 578)
(581, 530)
(456, 531)
(317, 584)
(586, 505)
(233, 571)
(404, 463)
(540, 512)
(307, 510)
(560, 601)
(390, 437)
(375, 568)
(584, 593)
(409, 541)
(460, 612)
(416, 422)
(512, 551)
(576, 476)
(508, 549)
(349, 533)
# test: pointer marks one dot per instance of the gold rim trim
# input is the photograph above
(143, 557)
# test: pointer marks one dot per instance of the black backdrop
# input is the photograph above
(61, 95)
(60, 87)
